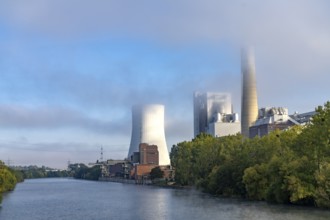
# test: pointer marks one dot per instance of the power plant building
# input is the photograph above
(148, 154)
(213, 114)
(148, 127)
(273, 118)
(249, 111)
(270, 119)
(224, 124)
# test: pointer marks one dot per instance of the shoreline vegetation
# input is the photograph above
(286, 167)
(8, 179)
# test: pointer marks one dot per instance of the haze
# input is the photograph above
(71, 70)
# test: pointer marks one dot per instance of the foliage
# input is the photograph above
(81, 171)
(322, 192)
(32, 172)
(156, 173)
(7, 179)
(291, 166)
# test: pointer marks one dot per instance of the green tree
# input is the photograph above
(181, 160)
(7, 179)
(322, 192)
(256, 181)
(156, 173)
(290, 166)
(81, 171)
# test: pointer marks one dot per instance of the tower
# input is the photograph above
(148, 127)
(249, 112)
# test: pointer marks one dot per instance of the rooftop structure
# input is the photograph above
(303, 118)
(224, 124)
(273, 118)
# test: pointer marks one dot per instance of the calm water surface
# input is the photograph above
(48, 199)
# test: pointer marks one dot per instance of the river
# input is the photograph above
(57, 199)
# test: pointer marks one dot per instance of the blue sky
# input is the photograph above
(71, 70)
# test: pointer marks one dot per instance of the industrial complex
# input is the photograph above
(213, 114)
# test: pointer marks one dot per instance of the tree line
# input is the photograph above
(8, 179)
(77, 170)
(33, 172)
(81, 171)
(291, 166)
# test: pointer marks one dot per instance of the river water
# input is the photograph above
(57, 199)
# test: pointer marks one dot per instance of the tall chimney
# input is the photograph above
(249, 112)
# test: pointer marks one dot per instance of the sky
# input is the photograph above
(70, 71)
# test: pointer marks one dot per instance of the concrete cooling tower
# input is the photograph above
(249, 112)
(148, 127)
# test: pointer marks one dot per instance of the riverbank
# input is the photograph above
(116, 180)
(8, 179)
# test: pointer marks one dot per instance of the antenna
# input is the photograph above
(101, 158)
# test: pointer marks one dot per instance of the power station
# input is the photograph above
(148, 127)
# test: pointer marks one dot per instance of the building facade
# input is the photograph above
(213, 114)
(149, 154)
(206, 107)
(224, 124)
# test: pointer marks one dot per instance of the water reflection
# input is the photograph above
(74, 199)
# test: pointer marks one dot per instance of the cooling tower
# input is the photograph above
(249, 110)
(148, 127)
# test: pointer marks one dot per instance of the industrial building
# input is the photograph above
(224, 124)
(303, 118)
(213, 114)
(118, 168)
(270, 119)
(149, 154)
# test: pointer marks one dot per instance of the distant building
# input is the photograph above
(135, 158)
(149, 154)
(213, 114)
(119, 168)
(141, 173)
(169, 172)
(224, 124)
(303, 118)
(270, 119)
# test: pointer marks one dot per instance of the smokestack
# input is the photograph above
(249, 112)
(148, 127)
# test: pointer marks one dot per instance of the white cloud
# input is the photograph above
(291, 39)
(54, 117)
